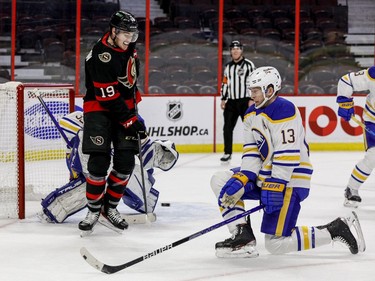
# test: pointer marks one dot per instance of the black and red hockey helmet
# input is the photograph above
(124, 21)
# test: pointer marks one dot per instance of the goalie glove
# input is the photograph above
(234, 189)
(272, 195)
(160, 154)
(346, 107)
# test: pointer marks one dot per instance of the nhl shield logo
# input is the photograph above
(174, 110)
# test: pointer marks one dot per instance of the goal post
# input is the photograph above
(32, 154)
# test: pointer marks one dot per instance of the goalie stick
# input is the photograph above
(109, 269)
(148, 217)
(130, 219)
(368, 130)
(40, 98)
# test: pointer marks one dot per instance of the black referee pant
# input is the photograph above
(233, 109)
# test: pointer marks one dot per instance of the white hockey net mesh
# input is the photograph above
(44, 157)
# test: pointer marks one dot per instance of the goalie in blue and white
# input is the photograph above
(71, 198)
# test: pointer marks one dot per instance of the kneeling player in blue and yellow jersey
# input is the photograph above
(276, 170)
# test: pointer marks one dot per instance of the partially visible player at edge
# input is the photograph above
(110, 117)
(276, 170)
(363, 80)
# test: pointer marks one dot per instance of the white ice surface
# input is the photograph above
(32, 251)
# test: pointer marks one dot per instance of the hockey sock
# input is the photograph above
(116, 186)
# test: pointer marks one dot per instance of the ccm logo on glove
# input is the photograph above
(130, 122)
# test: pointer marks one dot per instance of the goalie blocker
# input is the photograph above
(69, 199)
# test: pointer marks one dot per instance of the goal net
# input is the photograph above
(32, 155)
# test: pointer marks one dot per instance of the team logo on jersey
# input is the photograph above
(98, 140)
(240, 72)
(131, 74)
(174, 110)
(262, 144)
(105, 57)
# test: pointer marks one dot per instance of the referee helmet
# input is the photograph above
(236, 44)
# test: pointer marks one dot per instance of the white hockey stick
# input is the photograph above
(130, 219)
(139, 218)
(148, 216)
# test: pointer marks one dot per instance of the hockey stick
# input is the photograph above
(368, 130)
(141, 165)
(38, 95)
(109, 269)
(142, 173)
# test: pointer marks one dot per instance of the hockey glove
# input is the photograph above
(272, 195)
(233, 190)
(346, 107)
(136, 126)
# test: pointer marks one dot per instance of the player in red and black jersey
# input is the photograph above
(111, 119)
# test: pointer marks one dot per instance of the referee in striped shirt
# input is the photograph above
(235, 99)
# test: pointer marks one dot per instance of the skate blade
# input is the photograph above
(85, 233)
(353, 220)
(244, 252)
(351, 204)
(103, 221)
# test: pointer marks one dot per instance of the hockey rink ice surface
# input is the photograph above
(32, 251)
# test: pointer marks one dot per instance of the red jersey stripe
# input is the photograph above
(114, 194)
(95, 182)
(117, 180)
(94, 196)
(104, 85)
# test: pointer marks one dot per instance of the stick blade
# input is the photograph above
(139, 218)
(91, 260)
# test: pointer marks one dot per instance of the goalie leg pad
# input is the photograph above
(65, 201)
(133, 195)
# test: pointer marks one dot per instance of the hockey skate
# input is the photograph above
(226, 158)
(240, 245)
(86, 226)
(340, 231)
(352, 198)
(111, 218)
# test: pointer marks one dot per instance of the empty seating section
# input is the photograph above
(267, 30)
(46, 36)
(183, 43)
